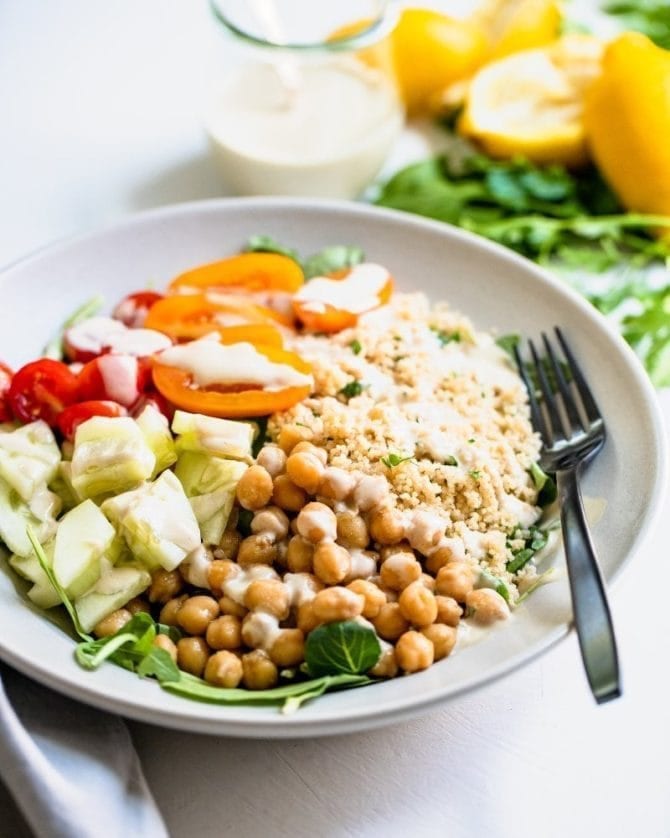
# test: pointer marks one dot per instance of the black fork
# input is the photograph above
(572, 428)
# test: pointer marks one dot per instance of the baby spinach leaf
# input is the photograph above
(535, 539)
(651, 17)
(344, 647)
(508, 342)
(267, 244)
(337, 257)
(545, 485)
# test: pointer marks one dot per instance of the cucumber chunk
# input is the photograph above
(208, 435)
(29, 458)
(16, 515)
(83, 536)
(110, 456)
(156, 432)
(156, 521)
(115, 587)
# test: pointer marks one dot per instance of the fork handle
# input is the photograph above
(592, 617)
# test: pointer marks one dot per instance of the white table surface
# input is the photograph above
(99, 116)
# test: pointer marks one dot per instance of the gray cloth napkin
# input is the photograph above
(73, 770)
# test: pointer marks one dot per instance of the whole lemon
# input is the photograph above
(627, 119)
(432, 50)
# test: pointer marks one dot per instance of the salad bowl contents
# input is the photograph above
(275, 479)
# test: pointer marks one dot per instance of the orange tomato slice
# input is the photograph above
(192, 316)
(245, 272)
(333, 319)
(231, 401)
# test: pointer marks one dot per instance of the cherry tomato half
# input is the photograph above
(73, 416)
(116, 378)
(133, 309)
(41, 390)
(6, 375)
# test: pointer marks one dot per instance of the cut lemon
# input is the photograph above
(532, 103)
(515, 25)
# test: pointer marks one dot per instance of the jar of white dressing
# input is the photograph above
(311, 107)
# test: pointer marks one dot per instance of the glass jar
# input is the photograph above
(310, 107)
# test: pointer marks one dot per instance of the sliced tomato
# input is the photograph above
(86, 340)
(231, 401)
(42, 390)
(6, 375)
(73, 416)
(133, 309)
(192, 316)
(116, 378)
(245, 272)
(318, 315)
(155, 399)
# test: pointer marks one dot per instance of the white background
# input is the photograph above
(100, 108)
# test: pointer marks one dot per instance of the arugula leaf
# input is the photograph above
(446, 337)
(267, 244)
(535, 539)
(337, 257)
(352, 388)
(393, 460)
(46, 567)
(54, 349)
(344, 647)
(490, 580)
(545, 485)
(652, 17)
(509, 342)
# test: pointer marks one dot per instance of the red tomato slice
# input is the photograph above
(41, 390)
(6, 375)
(116, 378)
(155, 399)
(73, 416)
(133, 309)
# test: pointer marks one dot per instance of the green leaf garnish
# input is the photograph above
(446, 337)
(267, 244)
(337, 257)
(54, 349)
(509, 342)
(341, 648)
(545, 485)
(535, 539)
(450, 461)
(393, 460)
(352, 388)
(356, 347)
(651, 17)
(490, 580)
(475, 474)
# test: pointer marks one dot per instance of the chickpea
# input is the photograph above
(136, 605)
(162, 641)
(428, 582)
(224, 633)
(306, 619)
(197, 613)
(271, 521)
(447, 552)
(287, 495)
(399, 571)
(332, 563)
(455, 580)
(268, 595)
(390, 623)
(386, 525)
(386, 666)
(224, 669)
(192, 655)
(218, 572)
(310, 448)
(305, 470)
(112, 623)
(336, 483)
(448, 610)
(291, 435)
(165, 584)
(317, 522)
(337, 603)
(425, 531)
(168, 615)
(373, 596)
(352, 530)
(257, 549)
(229, 606)
(414, 651)
(258, 671)
(273, 460)
(417, 605)
(254, 488)
(370, 491)
(299, 555)
(442, 637)
(289, 648)
(391, 549)
(486, 606)
(229, 545)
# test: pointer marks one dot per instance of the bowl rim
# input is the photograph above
(366, 716)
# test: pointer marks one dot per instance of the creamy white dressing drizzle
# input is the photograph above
(119, 375)
(209, 362)
(357, 292)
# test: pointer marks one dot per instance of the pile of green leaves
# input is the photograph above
(337, 656)
(544, 213)
(651, 17)
(336, 257)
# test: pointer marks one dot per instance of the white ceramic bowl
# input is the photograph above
(497, 289)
